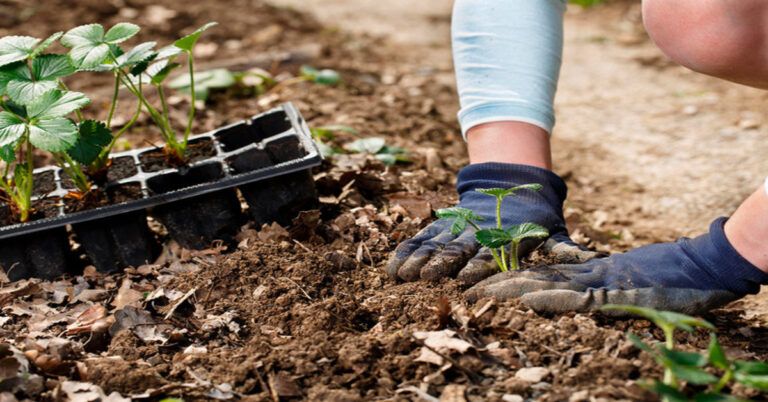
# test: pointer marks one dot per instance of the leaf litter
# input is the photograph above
(303, 311)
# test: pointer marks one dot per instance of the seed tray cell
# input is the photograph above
(272, 144)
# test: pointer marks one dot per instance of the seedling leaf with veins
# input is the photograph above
(497, 239)
(461, 218)
(690, 367)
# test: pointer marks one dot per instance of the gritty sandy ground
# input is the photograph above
(658, 151)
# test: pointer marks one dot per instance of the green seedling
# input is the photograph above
(35, 109)
(252, 82)
(698, 369)
(498, 238)
(93, 49)
(377, 146)
(322, 77)
(323, 134)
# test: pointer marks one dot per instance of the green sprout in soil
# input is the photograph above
(251, 82)
(712, 370)
(377, 146)
(497, 239)
(93, 49)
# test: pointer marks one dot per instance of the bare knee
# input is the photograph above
(723, 38)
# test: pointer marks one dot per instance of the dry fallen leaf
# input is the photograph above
(443, 341)
(127, 296)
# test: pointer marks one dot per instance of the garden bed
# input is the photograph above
(303, 310)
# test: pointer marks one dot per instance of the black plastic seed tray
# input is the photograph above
(281, 131)
(267, 158)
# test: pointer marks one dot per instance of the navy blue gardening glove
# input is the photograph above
(689, 276)
(435, 253)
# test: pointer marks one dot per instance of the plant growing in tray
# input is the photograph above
(40, 114)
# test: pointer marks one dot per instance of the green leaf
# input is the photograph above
(7, 153)
(461, 217)
(716, 355)
(670, 394)
(204, 81)
(387, 159)
(188, 42)
(506, 192)
(686, 359)
(662, 318)
(370, 145)
(51, 67)
(717, 398)
(324, 77)
(56, 103)
(747, 367)
(325, 149)
(168, 52)
(24, 87)
(693, 375)
(89, 50)
(45, 44)
(527, 230)
(121, 32)
(159, 71)
(327, 77)
(638, 342)
(12, 129)
(326, 132)
(140, 53)
(755, 381)
(458, 226)
(16, 48)
(493, 238)
(458, 212)
(53, 135)
(93, 136)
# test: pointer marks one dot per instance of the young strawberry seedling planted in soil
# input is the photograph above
(692, 368)
(497, 239)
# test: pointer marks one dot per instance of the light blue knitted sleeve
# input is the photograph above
(507, 55)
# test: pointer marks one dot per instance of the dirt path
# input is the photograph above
(656, 151)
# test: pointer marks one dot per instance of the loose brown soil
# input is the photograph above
(305, 312)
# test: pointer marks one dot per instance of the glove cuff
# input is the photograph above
(725, 263)
(506, 175)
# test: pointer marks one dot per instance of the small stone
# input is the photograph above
(512, 398)
(579, 396)
(532, 374)
(690, 110)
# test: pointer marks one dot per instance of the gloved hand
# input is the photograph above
(435, 253)
(690, 276)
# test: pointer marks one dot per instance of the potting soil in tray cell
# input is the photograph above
(285, 149)
(198, 221)
(44, 183)
(237, 136)
(156, 160)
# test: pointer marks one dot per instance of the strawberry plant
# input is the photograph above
(497, 239)
(35, 109)
(93, 49)
(712, 370)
